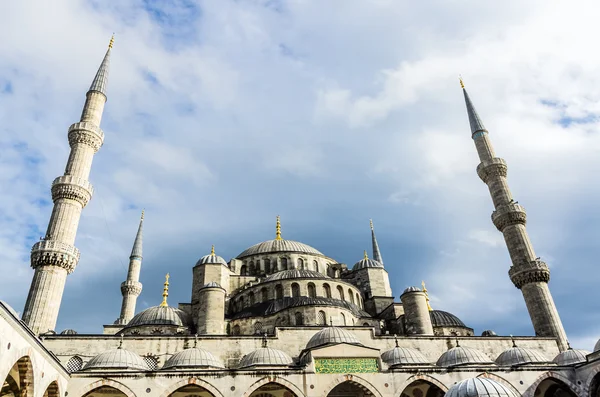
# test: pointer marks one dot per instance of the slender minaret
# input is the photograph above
(376, 252)
(131, 288)
(55, 256)
(528, 272)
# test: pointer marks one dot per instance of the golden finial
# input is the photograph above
(426, 295)
(278, 229)
(462, 84)
(165, 291)
(371, 222)
(366, 256)
(142, 218)
(112, 41)
(212, 250)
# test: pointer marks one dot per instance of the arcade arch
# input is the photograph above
(51, 390)
(19, 380)
(423, 388)
(191, 389)
(552, 387)
(594, 388)
(105, 391)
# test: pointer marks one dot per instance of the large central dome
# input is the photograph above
(279, 246)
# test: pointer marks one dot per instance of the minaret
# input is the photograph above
(55, 256)
(528, 272)
(376, 253)
(131, 288)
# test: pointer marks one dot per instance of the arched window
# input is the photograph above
(327, 290)
(283, 263)
(278, 291)
(74, 364)
(258, 328)
(252, 269)
(336, 273)
(264, 294)
(250, 298)
(300, 263)
(242, 302)
(243, 270)
(295, 290)
(350, 295)
(315, 266)
(258, 266)
(341, 292)
(366, 325)
(322, 318)
(358, 300)
(312, 291)
(299, 318)
(267, 266)
(236, 329)
(343, 317)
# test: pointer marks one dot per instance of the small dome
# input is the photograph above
(366, 263)
(331, 335)
(403, 356)
(488, 332)
(279, 246)
(193, 358)
(10, 309)
(294, 273)
(519, 356)
(571, 357)
(266, 356)
(212, 284)
(411, 289)
(160, 315)
(117, 358)
(69, 332)
(597, 346)
(480, 387)
(441, 318)
(462, 355)
(211, 259)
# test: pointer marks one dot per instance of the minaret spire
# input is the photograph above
(132, 288)
(55, 255)
(528, 272)
(376, 252)
(165, 292)
(278, 229)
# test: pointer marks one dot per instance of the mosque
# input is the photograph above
(281, 319)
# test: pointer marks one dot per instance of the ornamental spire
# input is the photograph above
(474, 120)
(101, 79)
(278, 229)
(136, 251)
(165, 292)
(365, 253)
(212, 250)
(376, 252)
(426, 296)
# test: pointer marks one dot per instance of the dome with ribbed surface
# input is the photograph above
(461, 356)
(404, 356)
(266, 356)
(212, 284)
(117, 358)
(411, 289)
(366, 263)
(519, 356)
(441, 318)
(211, 259)
(193, 358)
(488, 332)
(160, 315)
(273, 246)
(480, 387)
(69, 332)
(571, 357)
(331, 335)
(295, 273)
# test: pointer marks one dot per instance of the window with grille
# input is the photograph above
(151, 362)
(258, 327)
(74, 364)
(322, 318)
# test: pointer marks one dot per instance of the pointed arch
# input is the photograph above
(552, 376)
(355, 380)
(191, 381)
(423, 378)
(106, 382)
(52, 390)
(500, 380)
(592, 383)
(272, 379)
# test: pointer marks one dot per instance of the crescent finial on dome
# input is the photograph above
(165, 292)
(278, 229)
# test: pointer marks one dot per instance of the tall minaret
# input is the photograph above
(131, 288)
(55, 256)
(528, 272)
(376, 253)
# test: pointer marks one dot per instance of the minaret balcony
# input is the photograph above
(131, 288)
(509, 214)
(54, 253)
(530, 272)
(86, 133)
(73, 188)
(495, 167)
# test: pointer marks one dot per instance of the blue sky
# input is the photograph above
(223, 114)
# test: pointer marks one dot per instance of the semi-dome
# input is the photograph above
(462, 355)
(160, 315)
(404, 356)
(480, 387)
(331, 335)
(366, 263)
(295, 273)
(69, 331)
(519, 356)
(266, 356)
(117, 358)
(193, 358)
(276, 245)
(441, 318)
(488, 332)
(571, 357)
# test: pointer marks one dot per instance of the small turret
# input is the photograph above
(209, 269)
(417, 320)
(211, 313)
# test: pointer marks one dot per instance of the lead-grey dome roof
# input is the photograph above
(403, 356)
(69, 331)
(597, 346)
(489, 332)
(330, 335)
(480, 387)
(160, 315)
(411, 289)
(460, 355)
(366, 263)
(212, 284)
(571, 357)
(519, 356)
(279, 246)
(117, 358)
(441, 318)
(295, 273)
(266, 356)
(193, 358)
(210, 259)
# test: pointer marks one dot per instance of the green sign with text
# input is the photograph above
(346, 365)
